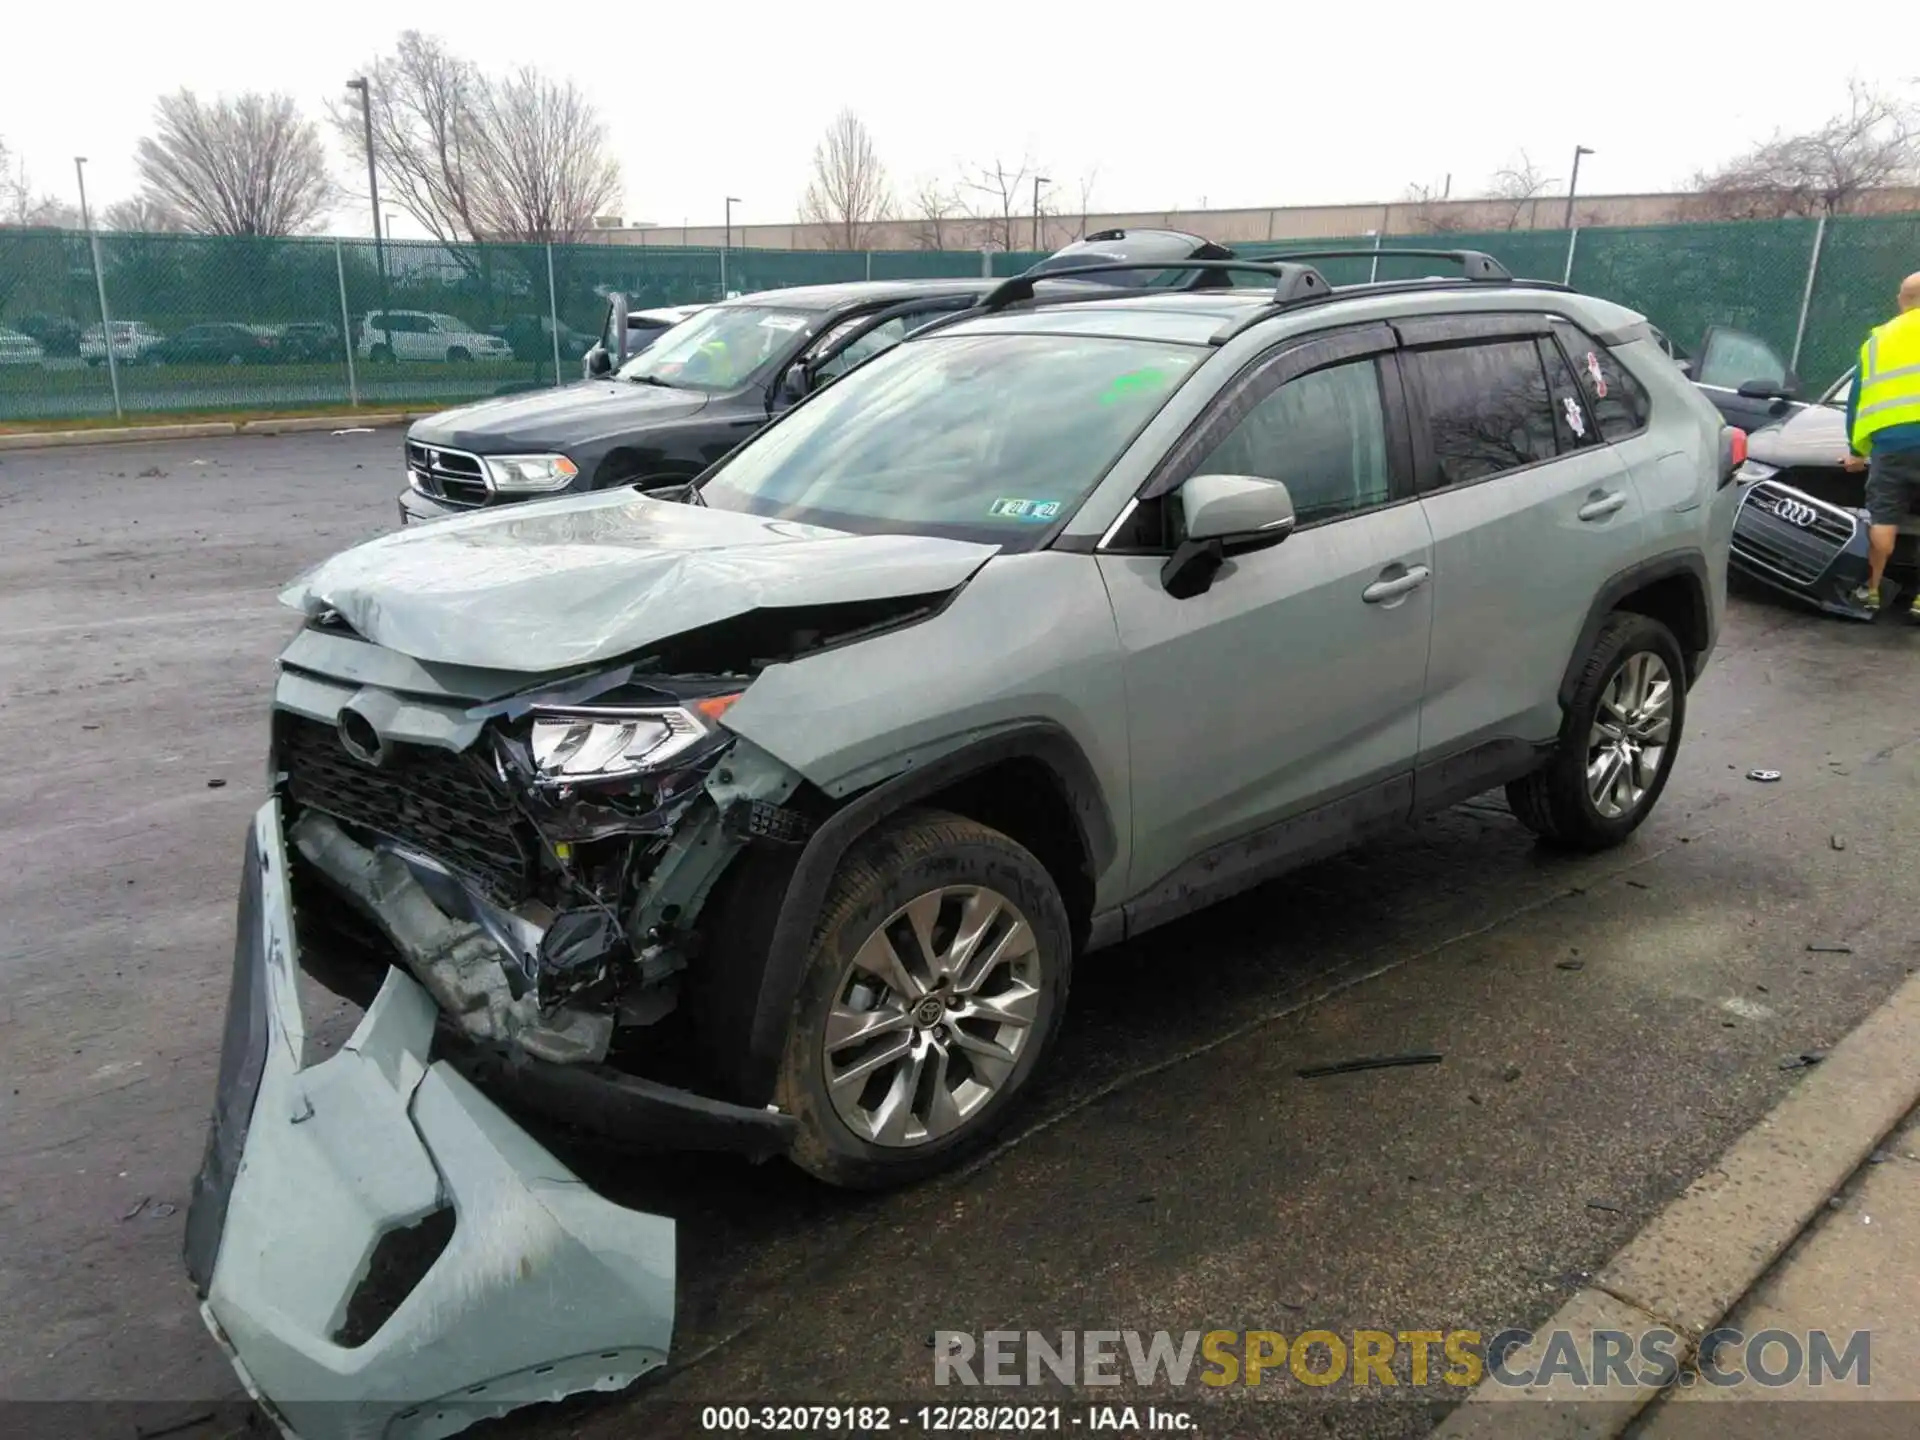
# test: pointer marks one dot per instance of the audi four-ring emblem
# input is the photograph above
(1794, 512)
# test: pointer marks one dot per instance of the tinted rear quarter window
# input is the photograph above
(1487, 408)
(1617, 401)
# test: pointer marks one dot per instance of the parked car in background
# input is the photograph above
(56, 334)
(133, 342)
(309, 340)
(218, 342)
(532, 338)
(643, 328)
(1741, 374)
(701, 388)
(19, 349)
(1802, 525)
(1149, 247)
(387, 335)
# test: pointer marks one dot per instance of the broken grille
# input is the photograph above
(427, 799)
(1790, 534)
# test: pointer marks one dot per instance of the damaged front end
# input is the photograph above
(376, 1246)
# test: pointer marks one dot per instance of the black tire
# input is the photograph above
(1555, 802)
(458, 355)
(381, 354)
(908, 856)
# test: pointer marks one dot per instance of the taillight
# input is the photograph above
(1739, 441)
(1733, 453)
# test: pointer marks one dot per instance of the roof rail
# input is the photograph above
(1291, 282)
(1475, 264)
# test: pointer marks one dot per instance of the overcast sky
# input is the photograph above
(1239, 105)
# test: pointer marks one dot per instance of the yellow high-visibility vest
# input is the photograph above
(1888, 380)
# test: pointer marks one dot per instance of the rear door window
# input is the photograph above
(1487, 406)
(1732, 358)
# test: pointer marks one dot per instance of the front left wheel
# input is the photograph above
(934, 985)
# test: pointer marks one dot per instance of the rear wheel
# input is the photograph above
(935, 982)
(381, 354)
(1617, 744)
(458, 354)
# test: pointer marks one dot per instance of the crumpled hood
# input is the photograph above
(550, 585)
(556, 419)
(1812, 435)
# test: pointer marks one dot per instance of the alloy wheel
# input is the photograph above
(931, 1016)
(1631, 730)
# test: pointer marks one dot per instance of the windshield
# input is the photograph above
(975, 437)
(1839, 394)
(719, 349)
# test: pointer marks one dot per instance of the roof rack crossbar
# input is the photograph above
(1242, 323)
(1474, 264)
(1291, 282)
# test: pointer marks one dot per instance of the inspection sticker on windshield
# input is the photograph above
(782, 322)
(1005, 509)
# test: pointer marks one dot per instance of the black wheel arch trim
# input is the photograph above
(1690, 564)
(1039, 740)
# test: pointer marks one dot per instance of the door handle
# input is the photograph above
(1404, 584)
(1603, 506)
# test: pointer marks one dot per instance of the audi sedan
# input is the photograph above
(1801, 529)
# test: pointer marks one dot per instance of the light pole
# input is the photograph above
(373, 175)
(1038, 181)
(99, 284)
(726, 244)
(1573, 183)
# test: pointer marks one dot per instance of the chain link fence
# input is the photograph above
(218, 326)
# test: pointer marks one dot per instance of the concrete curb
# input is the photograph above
(1694, 1261)
(209, 430)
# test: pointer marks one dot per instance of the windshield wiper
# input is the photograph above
(651, 380)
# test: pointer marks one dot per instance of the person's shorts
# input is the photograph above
(1893, 487)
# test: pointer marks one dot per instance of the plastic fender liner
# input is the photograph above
(543, 1288)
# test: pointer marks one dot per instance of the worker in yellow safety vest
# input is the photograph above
(1883, 435)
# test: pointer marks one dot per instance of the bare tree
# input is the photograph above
(20, 207)
(140, 215)
(246, 166)
(998, 193)
(1086, 184)
(939, 218)
(1518, 185)
(1831, 170)
(849, 193)
(1425, 204)
(467, 156)
(542, 157)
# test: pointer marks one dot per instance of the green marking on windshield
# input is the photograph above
(1134, 382)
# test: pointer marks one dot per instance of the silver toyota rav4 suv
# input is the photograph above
(776, 819)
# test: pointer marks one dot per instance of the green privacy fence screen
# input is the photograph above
(208, 325)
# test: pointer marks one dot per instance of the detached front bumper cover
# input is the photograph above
(313, 1173)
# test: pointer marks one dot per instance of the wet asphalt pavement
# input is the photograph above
(1608, 1025)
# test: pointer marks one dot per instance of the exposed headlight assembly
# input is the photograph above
(1752, 470)
(527, 474)
(579, 746)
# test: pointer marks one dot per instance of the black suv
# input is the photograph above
(669, 412)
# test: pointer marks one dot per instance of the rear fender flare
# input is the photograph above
(1688, 563)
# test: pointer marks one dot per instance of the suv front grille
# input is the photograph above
(1789, 533)
(452, 476)
(427, 799)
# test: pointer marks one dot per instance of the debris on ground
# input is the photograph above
(1605, 1205)
(1569, 964)
(1511, 1073)
(1765, 777)
(1370, 1062)
(1803, 1060)
(1819, 949)
(355, 430)
(1878, 1157)
(216, 784)
(138, 1206)
(1839, 842)
(1638, 884)
(152, 472)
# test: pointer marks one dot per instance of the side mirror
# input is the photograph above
(1764, 390)
(598, 361)
(795, 384)
(1686, 366)
(617, 323)
(1224, 515)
